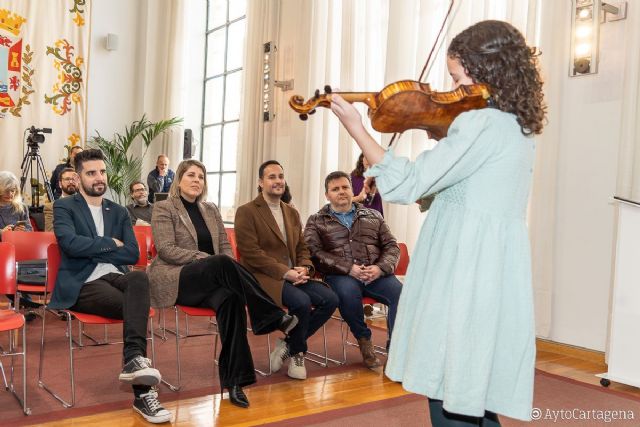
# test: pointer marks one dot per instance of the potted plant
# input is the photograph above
(123, 167)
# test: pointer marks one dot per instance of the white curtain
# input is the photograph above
(628, 185)
(44, 56)
(163, 84)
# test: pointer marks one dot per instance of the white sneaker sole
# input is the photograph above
(157, 419)
(147, 376)
(299, 376)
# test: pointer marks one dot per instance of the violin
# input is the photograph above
(406, 104)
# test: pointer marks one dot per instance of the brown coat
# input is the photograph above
(334, 248)
(262, 248)
(177, 244)
(48, 216)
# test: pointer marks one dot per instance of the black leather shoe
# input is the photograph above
(237, 396)
(287, 323)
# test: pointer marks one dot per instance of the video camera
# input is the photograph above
(36, 135)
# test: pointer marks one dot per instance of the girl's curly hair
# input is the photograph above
(496, 54)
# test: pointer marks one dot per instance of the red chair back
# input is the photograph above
(29, 244)
(7, 268)
(146, 230)
(403, 262)
(53, 261)
(231, 236)
(143, 258)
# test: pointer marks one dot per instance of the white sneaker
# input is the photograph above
(296, 367)
(279, 354)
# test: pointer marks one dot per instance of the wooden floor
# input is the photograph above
(292, 399)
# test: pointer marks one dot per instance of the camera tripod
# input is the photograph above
(33, 155)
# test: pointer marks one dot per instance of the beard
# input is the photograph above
(69, 190)
(141, 201)
(93, 191)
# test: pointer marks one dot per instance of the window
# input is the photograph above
(224, 53)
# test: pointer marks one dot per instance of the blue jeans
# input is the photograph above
(385, 289)
(313, 303)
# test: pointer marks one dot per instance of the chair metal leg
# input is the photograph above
(41, 383)
(270, 371)
(177, 386)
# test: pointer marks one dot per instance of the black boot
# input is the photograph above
(237, 396)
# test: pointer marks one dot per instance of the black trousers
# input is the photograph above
(442, 418)
(220, 283)
(125, 297)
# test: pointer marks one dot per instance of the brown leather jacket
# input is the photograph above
(334, 248)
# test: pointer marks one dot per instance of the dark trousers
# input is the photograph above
(124, 297)
(220, 283)
(442, 418)
(313, 303)
(385, 289)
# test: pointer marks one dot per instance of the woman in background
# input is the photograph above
(14, 215)
(364, 189)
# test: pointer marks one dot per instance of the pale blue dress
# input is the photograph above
(464, 331)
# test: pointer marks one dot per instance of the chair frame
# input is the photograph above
(9, 285)
(194, 312)
(83, 318)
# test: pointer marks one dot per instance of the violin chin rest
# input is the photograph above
(303, 117)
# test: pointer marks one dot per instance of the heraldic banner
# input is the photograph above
(44, 52)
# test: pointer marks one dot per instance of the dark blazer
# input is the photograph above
(262, 248)
(82, 249)
(176, 241)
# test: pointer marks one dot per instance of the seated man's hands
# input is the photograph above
(357, 272)
(297, 275)
(371, 273)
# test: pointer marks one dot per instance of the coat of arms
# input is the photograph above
(15, 70)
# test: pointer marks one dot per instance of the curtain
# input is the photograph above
(44, 55)
(164, 50)
(628, 185)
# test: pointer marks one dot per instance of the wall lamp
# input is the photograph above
(586, 18)
(269, 81)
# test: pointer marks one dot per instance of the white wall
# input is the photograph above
(588, 150)
(114, 76)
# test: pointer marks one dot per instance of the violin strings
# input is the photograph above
(426, 64)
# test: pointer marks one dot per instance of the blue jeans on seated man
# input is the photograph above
(385, 289)
(313, 303)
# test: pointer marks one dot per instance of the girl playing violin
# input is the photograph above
(464, 332)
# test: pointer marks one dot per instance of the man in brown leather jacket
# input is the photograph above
(353, 248)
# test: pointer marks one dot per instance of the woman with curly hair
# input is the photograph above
(464, 332)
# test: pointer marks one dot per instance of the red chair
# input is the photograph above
(30, 246)
(12, 322)
(403, 262)
(54, 259)
(143, 244)
(148, 238)
(231, 236)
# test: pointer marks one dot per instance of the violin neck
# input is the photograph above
(368, 98)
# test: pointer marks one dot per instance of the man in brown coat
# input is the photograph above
(354, 249)
(271, 246)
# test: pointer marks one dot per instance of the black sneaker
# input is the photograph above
(150, 408)
(139, 371)
(287, 323)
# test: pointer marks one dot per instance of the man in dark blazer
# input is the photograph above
(97, 244)
(271, 246)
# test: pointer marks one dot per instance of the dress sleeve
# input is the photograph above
(454, 158)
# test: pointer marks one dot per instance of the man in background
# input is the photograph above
(141, 209)
(68, 184)
(55, 175)
(159, 180)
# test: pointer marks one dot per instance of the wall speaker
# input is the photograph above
(187, 147)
